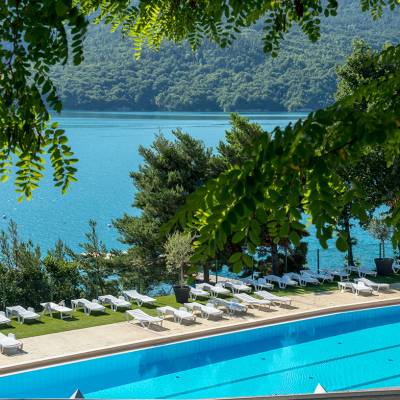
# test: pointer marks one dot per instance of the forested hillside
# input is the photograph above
(239, 78)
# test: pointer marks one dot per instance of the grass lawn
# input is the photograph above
(80, 320)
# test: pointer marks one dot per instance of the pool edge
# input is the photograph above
(115, 349)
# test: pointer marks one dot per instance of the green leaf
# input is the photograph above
(235, 257)
(341, 244)
(248, 261)
(238, 236)
(294, 238)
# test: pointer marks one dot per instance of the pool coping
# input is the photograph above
(182, 336)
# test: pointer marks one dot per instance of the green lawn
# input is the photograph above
(80, 320)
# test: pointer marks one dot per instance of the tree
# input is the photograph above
(62, 273)
(377, 181)
(361, 67)
(235, 152)
(95, 265)
(380, 231)
(138, 272)
(297, 168)
(24, 281)
(239, 139)
(178, 252)
(171, 170)
(34, 37)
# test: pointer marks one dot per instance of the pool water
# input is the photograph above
(345, 351)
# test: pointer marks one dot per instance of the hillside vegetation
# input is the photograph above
(239, 78)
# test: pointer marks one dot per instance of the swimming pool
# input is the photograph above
(344, 351)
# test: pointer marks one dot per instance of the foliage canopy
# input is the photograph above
(297, 168)
(290, 170)
(34, 36)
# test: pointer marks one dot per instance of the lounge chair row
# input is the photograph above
(229, 286)
(363, 285)
(310, 277)
(97, 305)
(211, 309)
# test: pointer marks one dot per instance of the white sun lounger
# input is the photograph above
(262, 284)
(274, 279)
(363, 272)
(215, 290)
(258, 284)
(274, 298)
(248, 281)
(308, 279)
(345, 285)
(231, 306)
(139, 298)
(322, 276)
(179, 315)
(206, 311)
(351, 268)
(22, 313)
(374, 285)
(237, 287)
(287, 281)
(340, 273)
(282, 282)
(114, 302)
(50, 308)
(87, 306)
(3, 319)
(361, 287)
(144, 319)
(197, 292)
(302, 279)
(252, 301)
(8, 344)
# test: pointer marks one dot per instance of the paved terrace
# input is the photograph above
(105, 339)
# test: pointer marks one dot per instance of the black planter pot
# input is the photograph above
(384, 266)
(182, 293)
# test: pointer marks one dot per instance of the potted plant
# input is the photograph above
(382, 232)
(178, 252)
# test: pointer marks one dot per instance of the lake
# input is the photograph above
(106, 144)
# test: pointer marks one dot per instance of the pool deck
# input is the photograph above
(106, 339)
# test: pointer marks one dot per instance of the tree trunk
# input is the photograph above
(350, 256)
(182, 276)
(206, 273)
(274, 259)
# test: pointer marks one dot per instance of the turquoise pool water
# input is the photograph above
(343, 351)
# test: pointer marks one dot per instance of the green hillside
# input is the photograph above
(239, 78)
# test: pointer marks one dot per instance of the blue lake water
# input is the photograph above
(107, 147)
(345, 351)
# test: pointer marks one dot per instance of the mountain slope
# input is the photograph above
(240, 78)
